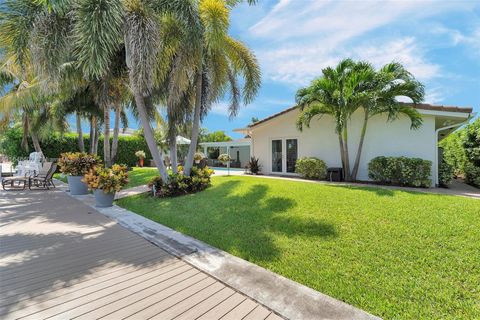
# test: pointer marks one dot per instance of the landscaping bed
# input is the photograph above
(395, 254)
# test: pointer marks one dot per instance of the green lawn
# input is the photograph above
(396, 254)
(60, 177)
(139, 176)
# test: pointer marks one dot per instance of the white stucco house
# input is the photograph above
(278, 144)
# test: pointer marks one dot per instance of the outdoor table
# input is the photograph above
(23, 182)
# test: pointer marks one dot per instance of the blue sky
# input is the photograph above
(438, 41)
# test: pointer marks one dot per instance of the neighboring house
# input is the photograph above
(278, 144)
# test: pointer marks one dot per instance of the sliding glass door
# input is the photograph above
(277, 156)
(284, 155)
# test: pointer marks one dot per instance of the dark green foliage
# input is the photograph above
(445, 174)
(453, 151)
(180, 184)
(253, 165)
(401, 171)
(472, 174)
(55, 144)
(311, 168)
(471, 143)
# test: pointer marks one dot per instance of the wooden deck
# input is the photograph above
(60, 259)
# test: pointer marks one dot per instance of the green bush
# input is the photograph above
(311, 168)
(180, 184)
(453, 151)
(401, 171)
(471, 143)
(445, 174)
(472, 174)
(55, 144)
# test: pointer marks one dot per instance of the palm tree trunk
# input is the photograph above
(149, 137)
(116, 130)
(92, 134)
(173, 154)
(97, 135)
(81, 146)
(342, 153)
(196, 126)
(360, 147)
(106, 137)
(36, 143)
(348, 176)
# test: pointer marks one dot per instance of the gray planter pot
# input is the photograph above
(77, 187)
(103, 199)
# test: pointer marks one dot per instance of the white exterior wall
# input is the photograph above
(382, 139)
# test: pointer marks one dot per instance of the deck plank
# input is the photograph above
(61, 259)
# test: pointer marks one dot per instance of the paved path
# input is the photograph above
(61, 259)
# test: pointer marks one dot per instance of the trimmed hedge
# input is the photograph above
(401, 171)
(55, 144)
(311, 168)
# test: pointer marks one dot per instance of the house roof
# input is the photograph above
(421, 106)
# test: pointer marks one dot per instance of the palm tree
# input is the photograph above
(353, 85)
(222, 60)
(391, 82)
(337, 94)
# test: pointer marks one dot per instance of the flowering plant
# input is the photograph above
(77, 163)
(198, 156)
(224, 157)
(140, 154)
(107, 179)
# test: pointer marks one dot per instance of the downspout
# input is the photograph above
(436, 143)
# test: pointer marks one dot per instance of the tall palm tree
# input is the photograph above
(390, 83)
(222, 60)
(336, 93)
(351, 86)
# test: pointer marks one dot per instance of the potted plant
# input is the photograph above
(225, 159)
(198, 156)
(105, 182)
(140, 154)
(75, 165)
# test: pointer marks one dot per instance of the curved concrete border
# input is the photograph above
(284, 296)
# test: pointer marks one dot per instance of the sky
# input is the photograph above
(437, 41)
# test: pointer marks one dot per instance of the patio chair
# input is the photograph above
(43, 181)
(15, 183)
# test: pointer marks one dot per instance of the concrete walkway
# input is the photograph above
(457, 188)
(62, 259)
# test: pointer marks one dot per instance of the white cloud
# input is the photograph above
(220, 108)
(300, 38)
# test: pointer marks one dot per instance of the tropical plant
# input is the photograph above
(198, 156)
(77, 163)
(140, 154)
(216, 136)
(109, 180)
(445, 174)
(253, 165)
(402, 171)
(311, 168)
(224, 158)
(180, 184)
(351, 85)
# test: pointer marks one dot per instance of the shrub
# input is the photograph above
(311, 168)
(401, 171)
(77, 163)
(54, 144)
(445, 174)
(198, 156)
(253, 165)
(107, 179)
(140, 154)
(180, 184)
(471, 143)
(472, 175)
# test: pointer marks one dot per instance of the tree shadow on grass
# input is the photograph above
(244, 221)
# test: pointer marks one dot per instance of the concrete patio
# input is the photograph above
(61, 259)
